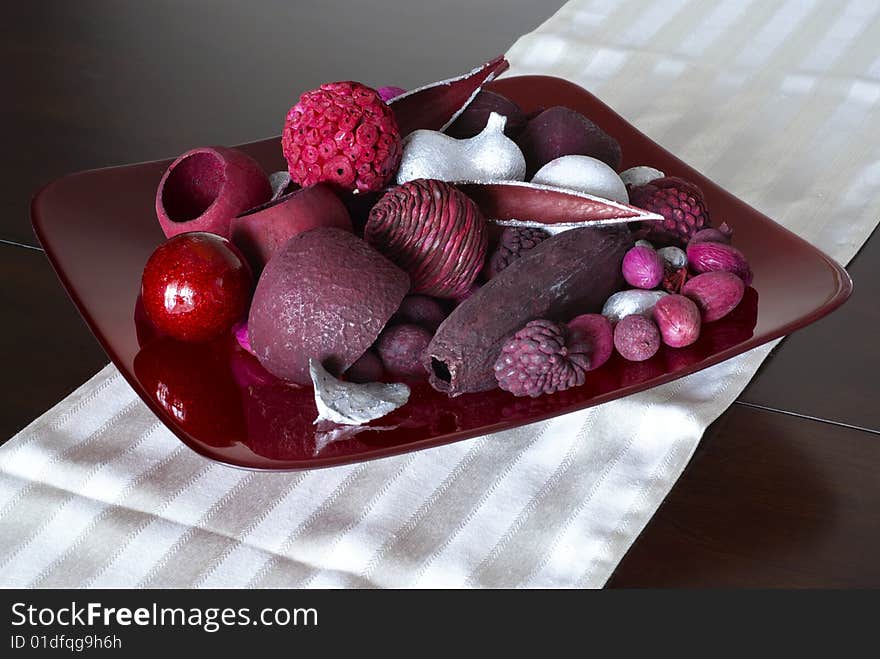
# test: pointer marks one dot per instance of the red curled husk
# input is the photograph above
(533, 204)
(261, 231)
(433, 232)
(204, 188)
(436, 106)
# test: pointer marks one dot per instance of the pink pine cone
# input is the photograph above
(342, 133)
(432, 231)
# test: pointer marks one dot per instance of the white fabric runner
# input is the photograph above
(777, 101)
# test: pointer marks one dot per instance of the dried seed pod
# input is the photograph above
(567, 274)
(643, 268)
(325, 294)
(433, 232)
(678, 319)
(437, 105)
(636, 338)
(715, 293)
(711, 257)
(542, 358)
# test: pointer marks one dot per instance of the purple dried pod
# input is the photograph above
(203, 189)
(636, 338)
(715, 293)
(401, 349)
(561, 131)
(545, 206)
(678, 320)
(434, 232)
(712, 257)
(722, 234)
(324, 295)
(511, 245)
(642, 268)
(367, 368)
(595, 329)
(474, 117)
(570, 273)
(420, 310)
(437, 105)
(542, 358)
(261, 231)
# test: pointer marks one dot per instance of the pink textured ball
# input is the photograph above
(636, 338)
(342, 133)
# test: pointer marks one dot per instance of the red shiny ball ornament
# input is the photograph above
(195, 286)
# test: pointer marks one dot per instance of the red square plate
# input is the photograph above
(99, 227)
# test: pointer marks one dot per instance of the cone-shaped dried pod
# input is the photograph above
(432, 231)
(261, 231)
(205, 188)
(437, 105)
(515, 203)
(325, 295)
(569, 274)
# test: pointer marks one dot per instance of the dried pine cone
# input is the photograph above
(511, 245)
(432, 231)
(542, 358)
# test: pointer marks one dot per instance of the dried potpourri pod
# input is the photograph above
(542, 358)
(475, 116)
(343, 134)
(262, 231)
(488, 156)
(436, 106)
(573, 272)
(583, 174)
(203, 189)
(326, 294)
(433, 232)
(350, 403)
(680, 202)
(560, 131)
(519, 204)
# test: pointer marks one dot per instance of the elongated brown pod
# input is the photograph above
(569, 274)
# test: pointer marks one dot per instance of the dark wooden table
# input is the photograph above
(783, 490)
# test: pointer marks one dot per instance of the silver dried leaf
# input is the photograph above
(352, 404)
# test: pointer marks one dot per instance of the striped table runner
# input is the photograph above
(776, 100)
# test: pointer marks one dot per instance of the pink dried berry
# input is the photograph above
(680, 202)
(420, 310)
(678, 320)
(715, 293)
(401, 347)
(542, 358)
(713, 257)
(643, 268)
(595, 329)
(434, 232)
(636, 338)
(342, 133)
